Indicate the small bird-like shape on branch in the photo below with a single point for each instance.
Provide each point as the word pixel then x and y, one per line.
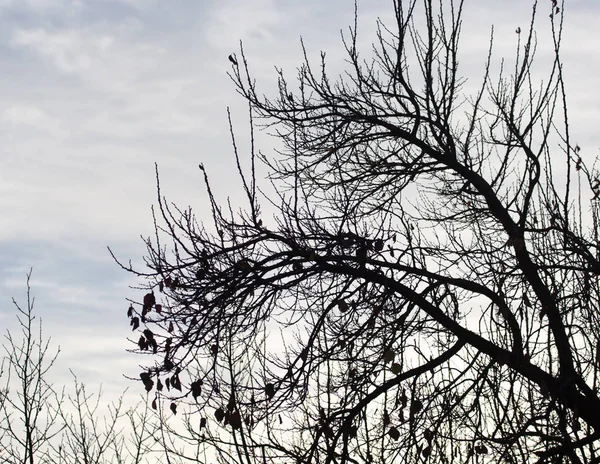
pixel 233 60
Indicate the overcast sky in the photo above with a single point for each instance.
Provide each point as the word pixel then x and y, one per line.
pixel 94 92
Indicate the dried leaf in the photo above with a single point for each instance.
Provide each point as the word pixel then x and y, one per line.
pixel 196 388
pixel 389 356
pixel 481 449
pixel 147 381
pixel 426 452
pixel 416 406
pixel 149 300
pixel 235 420
pixel 343 306
pixel 231 403
pixel 394 433
pixel 270 390
pixel 175 382
pixel 386 418
pixel 149 335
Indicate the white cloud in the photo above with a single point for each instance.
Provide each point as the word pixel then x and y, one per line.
pixel 23 114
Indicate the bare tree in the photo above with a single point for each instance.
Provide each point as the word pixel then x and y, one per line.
pixel 40 425
pixel 424 285
pixel 96 433
pixel 28 414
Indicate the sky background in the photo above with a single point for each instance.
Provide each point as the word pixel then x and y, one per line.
pixel 94 92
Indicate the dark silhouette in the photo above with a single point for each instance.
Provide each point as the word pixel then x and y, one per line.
pixel 421 284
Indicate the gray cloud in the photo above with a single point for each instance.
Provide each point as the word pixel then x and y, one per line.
pixel 92 93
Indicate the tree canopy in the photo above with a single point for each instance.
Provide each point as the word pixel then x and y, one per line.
pixel 424 283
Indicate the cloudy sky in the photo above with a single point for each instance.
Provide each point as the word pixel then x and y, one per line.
pixel 94 92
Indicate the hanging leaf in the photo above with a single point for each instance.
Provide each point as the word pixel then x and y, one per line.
pixel 394 433
pixel 148 385
pixel 416 406
pixel 426 451
pixel 130 311
pixel 231 403
pixel 343 306
pixel 389 356
pixel 159 385
pixel 481 449
pixel 142 343
pixel 386 418
pixel 154 404
pixel 243 265
pixel 147 381
pixel 175 382
pixel 304 354
pixel 352 431
pixel 170 327
pixel 270 390
pixel 158 308
pixel 173 408
pixel 134 323
pixel 149 335
pixel 219 414
pixel 149 301
pixel 196 387
pixel 235 420
pixel 396 368
pixel 203 422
